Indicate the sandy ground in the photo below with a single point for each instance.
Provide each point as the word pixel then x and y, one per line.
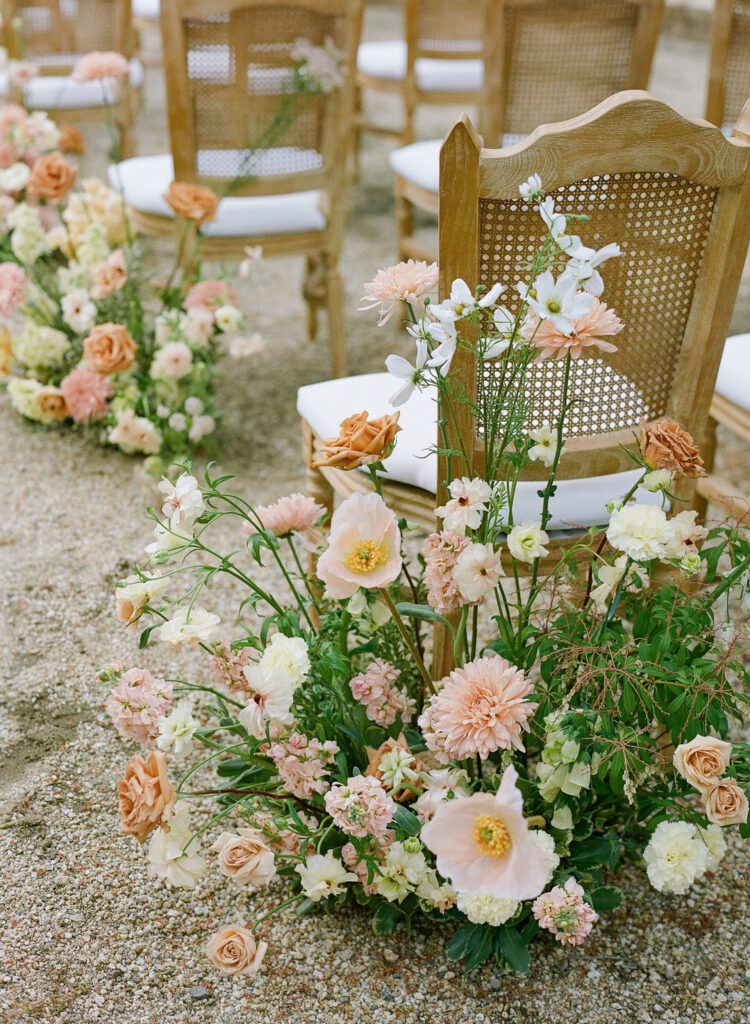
pixel 86 936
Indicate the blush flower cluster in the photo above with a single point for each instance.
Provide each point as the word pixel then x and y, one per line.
pixel 376 690
pixel 564 912
pixel 361 807
pixel 303 763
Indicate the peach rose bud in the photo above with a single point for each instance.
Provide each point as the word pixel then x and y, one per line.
pixel 193 202
pixel 726 803
pixel 144 794
pixel 666 445
pixel 245 857
pixel 702 761
pixel 233 950
pixel 51 402
pixel 109 348
pixel 51 176
pixel 360 442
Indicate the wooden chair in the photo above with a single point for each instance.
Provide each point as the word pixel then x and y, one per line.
pixel 729 68
pixel 545 61
pixel 52 35
pixel 675 193
pixel 228 65
pixel 439 61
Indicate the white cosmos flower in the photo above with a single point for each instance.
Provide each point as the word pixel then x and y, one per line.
pixel 188 626
pixel 584 262
pixel 676 856
pixel 545 445
pixel 446 336
pixel 530 188
pixel 467 504
pixel 412 377
pixel 526 542
pixel 559 301
pixel 477 571
pixel 642 532
pixel 79 312
pixel 556 222
pixel 288 654
pixel 463 302
pixel 183 500
pixel 271 700
pixel 165 851
pixel 177 729
pixel 323 876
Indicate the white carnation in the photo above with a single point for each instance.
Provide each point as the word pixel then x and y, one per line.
pixel 676 856
pixel 642 532
pixel 486 909
pixel 287 654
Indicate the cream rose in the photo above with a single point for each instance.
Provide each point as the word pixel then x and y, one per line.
pixel 233 950
pixel 702 761
pixel 245 857
pixel 726 803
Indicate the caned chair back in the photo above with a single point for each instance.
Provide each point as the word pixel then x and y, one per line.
pixel 548 60
pixel 445 29
pixel 729 71
pixel 234 118
pixel 675 194
pixel 38 30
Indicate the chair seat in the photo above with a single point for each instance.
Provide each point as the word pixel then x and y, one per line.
pixel 386 59
pixel 419 162
pixel 146 10
pixel 733 381
pixel 577 504
pixel 144 180
pixel 60 92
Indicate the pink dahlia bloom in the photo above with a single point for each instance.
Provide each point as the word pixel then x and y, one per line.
pixel 564 912
pixel 482 845
pixel 405 282
pixel 293 514
pixel 376 690
pixel 589 332
pixel 364 547
pixel 86 394
pixel 137 703
pixel 480 708
pixel 361 807
pixel 100 64
pixel 210 294
pixel 12 288
pixel 441 551
pixel 303 763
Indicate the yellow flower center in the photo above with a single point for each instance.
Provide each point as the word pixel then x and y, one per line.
pixel 366 556
pixel 491 836
pixel 553 306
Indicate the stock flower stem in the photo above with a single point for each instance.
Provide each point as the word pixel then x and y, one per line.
pixel 279 906
pixel 407 639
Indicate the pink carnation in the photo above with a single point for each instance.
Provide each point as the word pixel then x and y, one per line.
pixel 361 807
pixel 564 912
pixel 100 64
pixel 441 551
pixel 12 288
pixel 303 763
pixel 86 394
pixel 210 295
pixel 296 513
pixel 137 703
pixel 376 689
pixel 479 709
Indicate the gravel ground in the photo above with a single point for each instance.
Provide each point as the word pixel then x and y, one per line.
pixel 86 935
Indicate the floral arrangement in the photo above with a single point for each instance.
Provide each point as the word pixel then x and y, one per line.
pixel 587 715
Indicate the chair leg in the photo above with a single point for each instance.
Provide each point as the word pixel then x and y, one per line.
pixel 336 325
pixel 404 224
pixel 359 117
pixel 708 451
pixel 313 291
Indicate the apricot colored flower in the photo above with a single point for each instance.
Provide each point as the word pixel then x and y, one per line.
pixel 408 282
pixel 109 348
pixel 145 794
pixel 110 276
pixel 667 445
pixel 589 332
pixel 51 176
pixel 71 140
pixel 233 950
pixel 702 761
pixel 364 547
pixel 725 803
pixel 360 442
pixel 483 846
pixel 245 857
pixel 192 202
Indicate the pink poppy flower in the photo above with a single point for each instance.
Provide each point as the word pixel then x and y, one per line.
pixel 588 332
pixel 482 844
pixel 364 547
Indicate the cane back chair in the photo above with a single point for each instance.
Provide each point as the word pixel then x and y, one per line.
pixel 439 61
pixel 545 61
pixel 729 67
pixel 277 157
pixel 52 35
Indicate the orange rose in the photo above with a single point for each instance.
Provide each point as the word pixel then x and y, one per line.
pixel 193 202
pixel 71 140
pixel 52 404
pixel 51 176
pixel 360 442
pixel 234 950
pixel 666 445
pixel 145 794
pixel 726 803
pixel 110 276
pixel 109 348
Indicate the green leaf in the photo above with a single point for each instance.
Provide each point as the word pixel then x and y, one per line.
pixel 511 947
pixel 597 850
pixel 606 897
pixel 143 638
pixel 387 918
pixel 480 950
pixel 423 612
pixel 465 941
pixel 406 821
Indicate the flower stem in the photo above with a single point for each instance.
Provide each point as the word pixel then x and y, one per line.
pixel 407 639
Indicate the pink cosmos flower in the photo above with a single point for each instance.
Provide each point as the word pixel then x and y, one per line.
pixel 364 547
pixel 588 332
pixel 100 64
pixel 12 288
pixel 303 763
pixel 361 807
pixel 564 912
pixel 86 394
pixel 482 844
pixel 210 294
pixel 376 689
pixel 478 709
pixel 137 703
pixel 293 514
pixel 405 282
pixel 441 551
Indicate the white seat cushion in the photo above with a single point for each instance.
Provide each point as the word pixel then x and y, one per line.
pixel 55 92
pixel 387 59
pixel 144 180
pixel 577 504
pixel 419 162
pixel 733 381
pixel 146 10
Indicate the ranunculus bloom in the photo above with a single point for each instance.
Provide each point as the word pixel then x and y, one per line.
pixel 71 140
pixel 145 794
pixel 702 760
pixel 12 288
pixel 667 445
pixel 51 402
pixel 134 433
pixel 233 950
pixel 364 547
pixel 52 176
pixel 480 708
pixel 110 276
pixel 589 332
pixel 86 393
pixel 245 857
pixel 360 442
pixel 100 64
pixel 209 294
pixel 193 202
pixel 482 844
pixel 404 282
pixel 726 803
pixel 109 348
